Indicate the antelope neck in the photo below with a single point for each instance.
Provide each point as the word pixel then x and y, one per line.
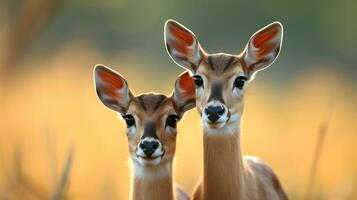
pixel 223 176
pixel 153 183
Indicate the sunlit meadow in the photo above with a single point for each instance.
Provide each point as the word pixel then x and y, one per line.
pixel 56 106
pixel 57 140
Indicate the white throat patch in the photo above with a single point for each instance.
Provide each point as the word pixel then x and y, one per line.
pixel 152 172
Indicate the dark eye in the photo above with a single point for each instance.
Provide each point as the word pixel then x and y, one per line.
pixel 198 80
pixel 239 82
pixel 129 119
pixel 172 121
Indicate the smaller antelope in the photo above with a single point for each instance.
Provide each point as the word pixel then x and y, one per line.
pixel 151 130
pixel 221 81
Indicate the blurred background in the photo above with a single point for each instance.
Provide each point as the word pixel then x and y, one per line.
pixel 57 141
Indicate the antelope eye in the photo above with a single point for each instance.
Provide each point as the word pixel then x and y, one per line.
pixel 198 80
pixel 129 119
pixel 172 121
pixel 239 82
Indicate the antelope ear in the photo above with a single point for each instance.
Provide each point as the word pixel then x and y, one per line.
pixel 263 48
pixel 184 95
pixel 112 89
pixel 182 45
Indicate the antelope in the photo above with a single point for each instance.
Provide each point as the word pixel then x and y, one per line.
pixel 151 121
pixel 221 80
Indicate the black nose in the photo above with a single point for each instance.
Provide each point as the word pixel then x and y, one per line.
pixel 214 112
pixel 149 147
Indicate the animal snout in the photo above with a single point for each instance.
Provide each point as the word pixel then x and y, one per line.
pixel 214 112
pixel 149 147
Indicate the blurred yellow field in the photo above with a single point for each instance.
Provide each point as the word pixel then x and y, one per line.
pixel 55 107
pixel 58 141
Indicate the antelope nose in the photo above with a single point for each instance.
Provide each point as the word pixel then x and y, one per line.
pixel 214 112
pixel 149 147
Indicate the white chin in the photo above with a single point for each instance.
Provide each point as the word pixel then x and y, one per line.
pixel 151 162
pixel 214 125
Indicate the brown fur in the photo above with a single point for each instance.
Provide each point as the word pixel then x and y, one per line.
pixel 222 174
pixel 147 117
pixel 156 189
pixel 227 175
pixel 154 107
pixel 237 177
pixel 154 115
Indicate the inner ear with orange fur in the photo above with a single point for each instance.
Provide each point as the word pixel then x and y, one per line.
pixel 182 45
pixel 263 47
pixel 112 89
pixel 184 95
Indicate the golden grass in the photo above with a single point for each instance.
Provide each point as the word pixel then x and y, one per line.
pixel 280 124
pixel 323 129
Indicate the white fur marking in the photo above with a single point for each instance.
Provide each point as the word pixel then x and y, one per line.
pixel 230 127
pixel 152 172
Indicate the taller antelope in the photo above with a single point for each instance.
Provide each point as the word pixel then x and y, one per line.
pixel 220 81
pixel 151 130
